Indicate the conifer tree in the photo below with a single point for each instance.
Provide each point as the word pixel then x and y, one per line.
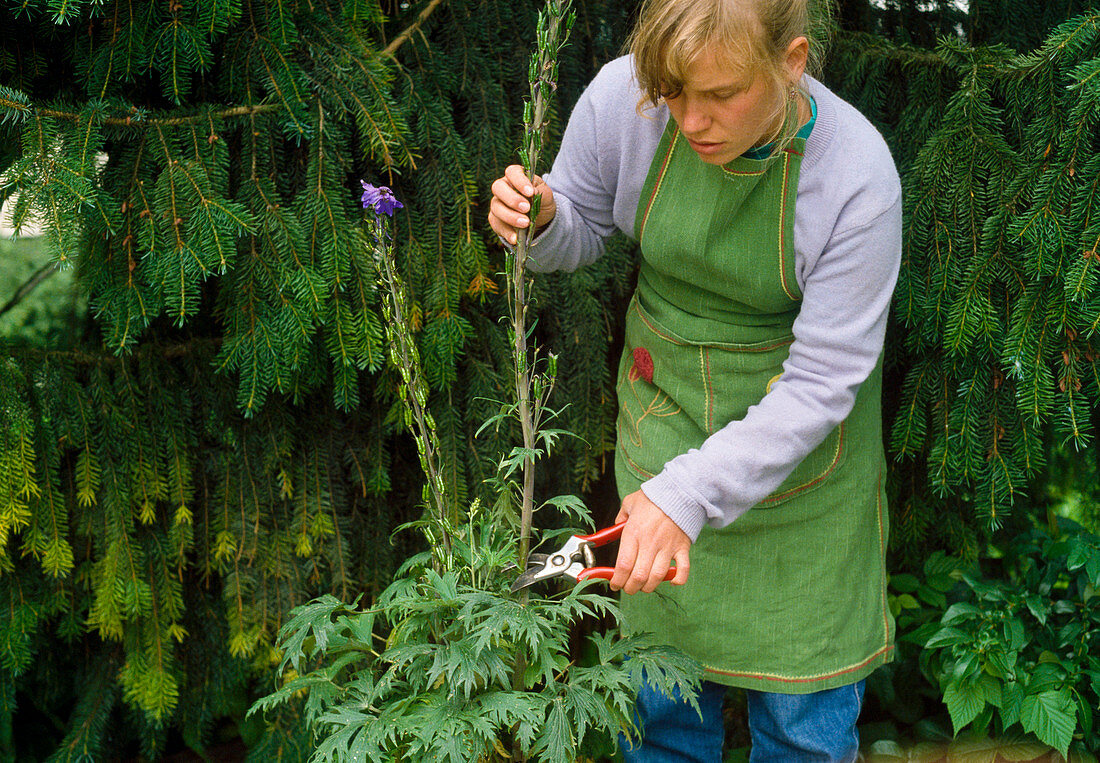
pixel 221 439
pixel 995 310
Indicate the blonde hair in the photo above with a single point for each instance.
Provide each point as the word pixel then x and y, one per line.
pixel 750 35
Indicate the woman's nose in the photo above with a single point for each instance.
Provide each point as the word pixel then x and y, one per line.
pixel 693 119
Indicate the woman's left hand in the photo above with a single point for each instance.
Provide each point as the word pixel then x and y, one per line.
pixel 649 543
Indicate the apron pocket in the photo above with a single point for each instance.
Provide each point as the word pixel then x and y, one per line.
pixel 735 379
pixel 813 471
pixel 675 392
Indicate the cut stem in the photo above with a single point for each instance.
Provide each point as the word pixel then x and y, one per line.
pixel 553 29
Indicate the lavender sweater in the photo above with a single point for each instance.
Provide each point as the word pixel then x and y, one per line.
pixel 847 241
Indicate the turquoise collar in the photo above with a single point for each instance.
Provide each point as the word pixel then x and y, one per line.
pixel 763 152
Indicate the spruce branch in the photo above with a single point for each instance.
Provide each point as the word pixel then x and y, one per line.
pixel 199 347
pixel 15 105
pixel 552 32
pixel 402 38
pixel 12 107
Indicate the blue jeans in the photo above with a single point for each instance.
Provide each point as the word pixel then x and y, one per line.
pixel 785 728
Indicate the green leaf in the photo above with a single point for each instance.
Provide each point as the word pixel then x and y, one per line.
pixel 973 747
pixel 961 611
pixel 964 700
pixel 1012 697
pixel 904 583
pixel 1037 606
pixel 1051 716
pixel 1020 748
pixel 1079 554
pixel 571 506
pixel 888 750
pixel 1092 568
pixel 1015 634
pixel 947 637
pixel 992 690
pixel 1000 663
pixel 905 601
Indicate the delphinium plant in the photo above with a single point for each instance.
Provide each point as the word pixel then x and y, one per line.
pixel 448 663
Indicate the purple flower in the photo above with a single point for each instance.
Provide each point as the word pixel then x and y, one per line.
pixel 380 199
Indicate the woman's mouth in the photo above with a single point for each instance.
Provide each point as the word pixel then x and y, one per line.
pixel 704 147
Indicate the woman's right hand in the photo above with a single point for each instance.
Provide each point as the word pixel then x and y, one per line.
pixel 512 201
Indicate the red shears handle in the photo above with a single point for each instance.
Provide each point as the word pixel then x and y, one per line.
pixel 601 538
pixel 604 536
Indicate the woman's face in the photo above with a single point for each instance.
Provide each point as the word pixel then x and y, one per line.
pixel 723 112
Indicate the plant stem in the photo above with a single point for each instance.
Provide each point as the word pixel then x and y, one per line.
pixel 406 359
pixel 553 29
pixel 526 420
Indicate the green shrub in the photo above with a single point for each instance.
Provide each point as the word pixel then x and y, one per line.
pixel 1021 650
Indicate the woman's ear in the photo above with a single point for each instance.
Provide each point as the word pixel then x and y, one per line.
pixel 798 52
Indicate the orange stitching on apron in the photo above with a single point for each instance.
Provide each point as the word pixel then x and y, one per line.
pixel 660 179
pixel 742 174
pixel 704 364
pixel 803 679
pixel 824 475
pixel 761 172
pixel 639 470
pixel 673 340
pixel 782 224
pixel 882 556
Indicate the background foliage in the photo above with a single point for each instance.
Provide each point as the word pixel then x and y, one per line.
pixel 216 439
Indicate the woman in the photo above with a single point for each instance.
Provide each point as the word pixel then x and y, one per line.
pixel 768 213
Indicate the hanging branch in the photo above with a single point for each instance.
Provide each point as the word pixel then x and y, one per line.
pixel 400 39
pixel 15 103
pixel 553 29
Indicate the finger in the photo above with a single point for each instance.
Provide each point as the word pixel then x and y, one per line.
pixel 657 571
pixel 519 180
pixel 508 216
pixel 683 566
pixel 506 193
pixel 506 232
pixel 624 561
pixel 641 574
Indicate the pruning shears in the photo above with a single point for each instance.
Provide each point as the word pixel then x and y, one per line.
pixel 574 559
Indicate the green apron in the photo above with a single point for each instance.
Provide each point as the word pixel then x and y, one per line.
pixel 791 597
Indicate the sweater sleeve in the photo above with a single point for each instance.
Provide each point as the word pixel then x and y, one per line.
pixel 838 337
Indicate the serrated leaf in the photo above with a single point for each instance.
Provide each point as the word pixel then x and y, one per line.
pixel 1051 716
pixel 964 701
pixel 1016 747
